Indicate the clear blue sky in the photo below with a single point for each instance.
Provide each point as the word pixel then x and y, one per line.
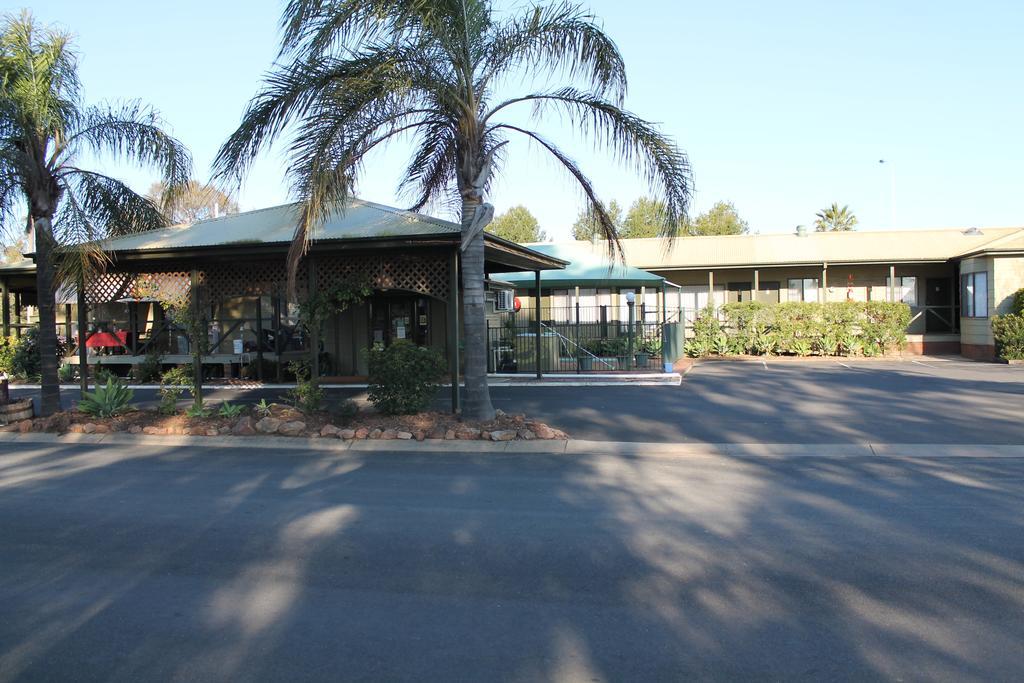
pixel 783 107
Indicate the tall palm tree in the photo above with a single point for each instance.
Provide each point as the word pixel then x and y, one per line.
pixel 44 131
pixel 357 74
pixel 835 219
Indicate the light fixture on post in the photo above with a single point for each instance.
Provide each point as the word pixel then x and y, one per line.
pixel 630 301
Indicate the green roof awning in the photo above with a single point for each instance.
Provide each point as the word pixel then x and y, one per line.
pixel 589 266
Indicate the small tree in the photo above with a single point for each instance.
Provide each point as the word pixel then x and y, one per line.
pixel 645 218
pixel 586 228
pixel 835 219
pixel 517 225
pixel 720 219
pixel 195 202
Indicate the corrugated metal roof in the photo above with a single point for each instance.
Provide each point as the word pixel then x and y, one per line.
pixel 360 220
pixel 588 265
pixel 23 264
pixel 814 247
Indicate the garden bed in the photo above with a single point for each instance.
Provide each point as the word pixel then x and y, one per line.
pixel 284 421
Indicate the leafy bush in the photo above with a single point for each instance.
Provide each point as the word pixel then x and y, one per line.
pixel 108 400
pixel 307 395
pixel 228 409
pixel 197 410
pixel 346 410
pixel 102 375
pixel 149 369
pixel 1008 331
pixel 1017 307
pixel 8 346
pixel 66 373
pixel 172 386
pixel 404 377
pixel 262 408
pixel 25 361
pixel 841 328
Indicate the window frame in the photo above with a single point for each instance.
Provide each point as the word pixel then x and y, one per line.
pixel 969 302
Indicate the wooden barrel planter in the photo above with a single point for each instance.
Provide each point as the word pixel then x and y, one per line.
pixel 15 411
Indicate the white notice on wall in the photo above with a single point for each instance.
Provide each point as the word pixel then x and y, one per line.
pixel 400 332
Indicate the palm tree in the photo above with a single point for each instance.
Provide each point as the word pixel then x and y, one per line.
pixel 834 219
pixel 361 73
pixel 44 130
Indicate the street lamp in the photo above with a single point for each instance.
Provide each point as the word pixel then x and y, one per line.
pixel 630 300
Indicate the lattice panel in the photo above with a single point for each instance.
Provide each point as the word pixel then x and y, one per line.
pixel 421 274
pixel 110 287
pixel 227 280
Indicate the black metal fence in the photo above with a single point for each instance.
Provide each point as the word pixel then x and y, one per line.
pixel 593 341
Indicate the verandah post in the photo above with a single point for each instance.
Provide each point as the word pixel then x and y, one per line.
pixel 314 331
pixel 83 359
pixel 259 337
pixel 536 322
pixel 198 329
pixel 6 307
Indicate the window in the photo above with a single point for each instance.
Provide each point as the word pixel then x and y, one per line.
pixel 906 290
pixel 650 306
pixel 805 289
pixel 560 307
pixel 588 305
pixel 739 291
pixel 768 292
pixel 974 295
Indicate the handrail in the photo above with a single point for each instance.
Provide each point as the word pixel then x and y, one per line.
pixel 578 346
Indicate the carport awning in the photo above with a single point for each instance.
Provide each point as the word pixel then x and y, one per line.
pixel 587 268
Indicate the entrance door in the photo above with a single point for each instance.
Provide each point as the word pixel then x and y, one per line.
pixel 939 314
pixel 395 317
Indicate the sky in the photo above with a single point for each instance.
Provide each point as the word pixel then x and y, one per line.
pixel 782 107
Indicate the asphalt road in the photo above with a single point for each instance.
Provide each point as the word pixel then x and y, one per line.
pixel 913 401
pixel 177 564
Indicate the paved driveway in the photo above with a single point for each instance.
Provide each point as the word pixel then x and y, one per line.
pixel 925 401
pixel 165 563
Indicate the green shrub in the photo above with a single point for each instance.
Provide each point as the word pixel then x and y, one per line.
pixel 262 408
pixel 840 328
pixel 66 373
pixel 228 409
pixel 8 346
pixel 1008 331
pixel 25 361
pixel 197 410
pixel 102 375
pixel 108 400
pixel 1017 306
pixel 404 377
pixel 149 369
pixel 172 386
pixel 307 395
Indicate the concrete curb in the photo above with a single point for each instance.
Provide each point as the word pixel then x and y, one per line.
pixel 573 447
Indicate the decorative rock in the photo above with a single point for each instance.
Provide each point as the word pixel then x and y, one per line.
pixel 361 433
pixel 346 434
pixel 527 435
pixel 375 434
pixel 197 431
pixel 243 427
pixel 560 435
pixel 542 430
pixel 87 428
pixel 25 426
pixel 291 428
pixel 419 435
pixel 212 432
pixel 102 429
pixel 329 430
pixel 436 433
pixel 118 426
pixel 467 433
pixel 503 435
pixel 268 425
pixel 12 427
pixel 485 435
pixel 388 434
pixel 223 430
pixel 154 431
pixel 405 436
pixel 498 412
pixel 449 435
pixel 134 429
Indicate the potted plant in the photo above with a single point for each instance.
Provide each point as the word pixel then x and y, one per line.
pixel 648 347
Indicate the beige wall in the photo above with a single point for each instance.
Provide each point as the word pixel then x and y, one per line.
pixel 978 331
pixel 1008 278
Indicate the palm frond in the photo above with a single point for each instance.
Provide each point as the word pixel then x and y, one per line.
pixel 606 226
pixel 561 35
pixel 631 139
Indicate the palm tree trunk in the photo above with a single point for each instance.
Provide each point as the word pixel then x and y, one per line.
pixel 477 403
pixel 47 334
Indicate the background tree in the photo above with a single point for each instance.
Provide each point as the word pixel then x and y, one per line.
pixel 518 225
pixel 720 219
pixel 645 218
pixel 834 219
pixel 587 226
pixel 195 202
pixel 44 132
pixel 355 74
